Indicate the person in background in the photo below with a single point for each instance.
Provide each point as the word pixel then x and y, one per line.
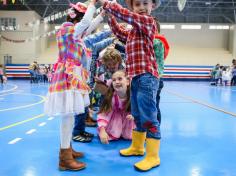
pixel 213 74
pixel 114 118
pixel 218 75
pixel 33 70
pixel 50 72
pixel 1 74
pixel 226 76
pixel 233 81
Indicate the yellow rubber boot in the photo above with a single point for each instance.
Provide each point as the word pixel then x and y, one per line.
pixel 152 158
pixel 137 145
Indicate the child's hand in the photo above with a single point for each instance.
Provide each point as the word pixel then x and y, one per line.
pixel 104 136
pixel 129 117
pixel 103 13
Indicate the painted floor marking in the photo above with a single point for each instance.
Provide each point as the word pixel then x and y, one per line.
pixel 31 131
pixel 26 106
pixel 42 124
pixel 201 103
pixel 14 140
pixel 14 87
pixel 21 122
pixel 50 118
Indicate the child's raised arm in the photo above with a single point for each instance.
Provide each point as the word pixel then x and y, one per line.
pixel 145 23
pixel 86 21
pixel 95 23
pixel 117 29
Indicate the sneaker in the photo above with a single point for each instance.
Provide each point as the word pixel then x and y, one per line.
pixel 82 138
pixel 87 134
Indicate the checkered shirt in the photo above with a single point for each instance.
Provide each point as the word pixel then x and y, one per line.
pixel 139 40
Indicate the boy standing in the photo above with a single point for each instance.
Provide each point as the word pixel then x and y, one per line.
pixel 141 67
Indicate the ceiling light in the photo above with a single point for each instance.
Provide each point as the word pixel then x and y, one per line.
pixel 191 26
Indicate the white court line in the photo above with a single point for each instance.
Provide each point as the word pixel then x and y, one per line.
pixel 14 140
pixel 26 106
pixel 201 103
pixel 50 118
pixel 31 131
pixel 42 124
pixel 15 92
pixel 15 87
pixel 220 87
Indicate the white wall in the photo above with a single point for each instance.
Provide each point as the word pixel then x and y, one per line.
pixel 198 47
pixel 188 47
pixel 22 52
pixel 232 40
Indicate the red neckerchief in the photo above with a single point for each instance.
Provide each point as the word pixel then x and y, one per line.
pixel 165 43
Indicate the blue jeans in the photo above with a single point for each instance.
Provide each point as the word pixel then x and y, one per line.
pixel 161 85
pixel 144 106
pixel 79 125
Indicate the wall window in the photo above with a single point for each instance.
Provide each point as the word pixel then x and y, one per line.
pixel 8 24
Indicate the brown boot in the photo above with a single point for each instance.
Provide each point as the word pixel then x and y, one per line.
pixel 67 162
pixel 76 154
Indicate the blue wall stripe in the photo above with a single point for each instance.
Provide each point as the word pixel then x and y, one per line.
pixel 188 66
pixel 186 73
pixel 16 71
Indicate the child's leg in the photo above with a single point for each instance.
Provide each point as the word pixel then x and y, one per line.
pixel 79 134
pixel 67 161
pixel 139 134
pixel 146 98
pixel 67 123
pixel 161 85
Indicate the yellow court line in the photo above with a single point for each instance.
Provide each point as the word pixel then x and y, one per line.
pixel 21 122
pixel 202 103
pixel 26 106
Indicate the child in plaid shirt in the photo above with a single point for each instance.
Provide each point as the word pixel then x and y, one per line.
pixel 141 67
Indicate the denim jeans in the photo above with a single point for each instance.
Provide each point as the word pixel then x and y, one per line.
pixel 143 104
pixel 161 85
pixel 80 122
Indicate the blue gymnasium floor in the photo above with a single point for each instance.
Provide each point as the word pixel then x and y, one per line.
pixel 198 135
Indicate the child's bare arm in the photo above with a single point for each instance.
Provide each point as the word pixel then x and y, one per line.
pixel 103 136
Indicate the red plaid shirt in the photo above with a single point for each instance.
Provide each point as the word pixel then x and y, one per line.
pixel 139 40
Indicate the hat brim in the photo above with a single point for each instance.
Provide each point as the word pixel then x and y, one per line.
pixel 157 4
pixel 75 6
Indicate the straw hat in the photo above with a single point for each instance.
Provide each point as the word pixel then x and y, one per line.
pixel 157 4
pixel 80 7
